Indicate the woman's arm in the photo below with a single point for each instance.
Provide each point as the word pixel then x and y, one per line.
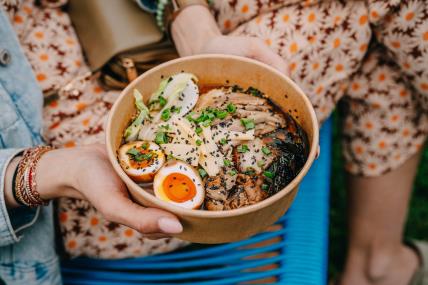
pixel 86 172
pixel 195 31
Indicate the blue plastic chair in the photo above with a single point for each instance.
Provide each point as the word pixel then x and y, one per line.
pixel 295 253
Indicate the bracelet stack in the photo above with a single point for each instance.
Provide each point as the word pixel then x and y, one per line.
pixel 24 180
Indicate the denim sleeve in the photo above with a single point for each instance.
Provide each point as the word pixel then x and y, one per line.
pixel 13 221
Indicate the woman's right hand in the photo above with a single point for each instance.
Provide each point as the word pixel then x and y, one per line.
pixel 195 31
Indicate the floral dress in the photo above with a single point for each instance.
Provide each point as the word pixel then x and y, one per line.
pixel 372 54
pixel 77 117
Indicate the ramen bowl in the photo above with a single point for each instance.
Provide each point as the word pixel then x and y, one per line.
pixel 203 226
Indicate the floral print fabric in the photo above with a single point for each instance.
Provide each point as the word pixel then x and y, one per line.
pixel 77 117
pixel 373 54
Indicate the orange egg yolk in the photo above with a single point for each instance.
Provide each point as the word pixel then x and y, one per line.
pixel 179 188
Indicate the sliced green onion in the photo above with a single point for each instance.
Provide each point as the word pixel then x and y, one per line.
pixel 248 124
pixel 198 142
pixel 221 114
pixel 198 130
pixel 133 151
pixel 162 101
pixel 231 108
pixel 166 114
pixel 242 148
pixel 202 172
pixel 266 150
pixel 268 174
pixel 161 138
pixel 227 162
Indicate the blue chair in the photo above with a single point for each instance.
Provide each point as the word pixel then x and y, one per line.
pixel 293 252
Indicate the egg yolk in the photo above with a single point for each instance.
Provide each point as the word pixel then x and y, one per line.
pixel 179 188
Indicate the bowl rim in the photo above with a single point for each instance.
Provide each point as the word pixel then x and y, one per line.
pixel 204 213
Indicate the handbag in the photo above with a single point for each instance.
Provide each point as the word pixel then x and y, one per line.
pixel 119 39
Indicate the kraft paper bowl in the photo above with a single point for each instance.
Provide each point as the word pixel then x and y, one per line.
pixel 223 226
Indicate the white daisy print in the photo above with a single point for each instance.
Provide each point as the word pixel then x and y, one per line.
pixel 395 119
pixel 270 37
pixel 287 18
pixel 420 38
pixel 370 124
pixel 382 78
pixel 336 14
pixel 409 15
pixel 359 147
pixel 311 21
pixel 247 8
pixel 338 66
pixel 293 44
pixel 358 87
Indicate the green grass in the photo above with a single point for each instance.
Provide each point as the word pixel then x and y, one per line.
pixel 417 224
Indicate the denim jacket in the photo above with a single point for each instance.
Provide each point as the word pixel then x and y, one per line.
pixel 27 254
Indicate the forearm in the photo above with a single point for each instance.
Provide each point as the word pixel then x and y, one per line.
pixel 192 29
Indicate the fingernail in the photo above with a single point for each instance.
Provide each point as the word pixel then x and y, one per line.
pixel 170 226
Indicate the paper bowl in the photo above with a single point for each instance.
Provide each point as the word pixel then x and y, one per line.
pixel 203 226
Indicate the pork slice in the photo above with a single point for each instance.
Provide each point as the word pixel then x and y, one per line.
pixel 215 98
pixel 252 185
pixel 238 199
pixel 254 158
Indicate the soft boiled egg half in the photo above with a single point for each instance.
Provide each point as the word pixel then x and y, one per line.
pixel 141 160
pixel 178 183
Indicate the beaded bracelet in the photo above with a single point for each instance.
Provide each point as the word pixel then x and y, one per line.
pixel 160 13
pixel 25 185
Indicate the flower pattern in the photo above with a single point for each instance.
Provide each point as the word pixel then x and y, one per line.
pixel 371 54
pixel 76 117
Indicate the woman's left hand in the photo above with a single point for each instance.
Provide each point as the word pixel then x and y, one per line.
pixel 86 173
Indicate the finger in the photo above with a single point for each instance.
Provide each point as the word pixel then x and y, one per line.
pixel 145 220
pixel 155 236
pixel 263 53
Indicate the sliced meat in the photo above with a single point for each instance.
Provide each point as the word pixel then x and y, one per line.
pixel 247 192
pixel 254 158
pixel 252 185
pixel 214 188
pixel 215 98
pixel 238 199
pixel 215 193
pixel 214 205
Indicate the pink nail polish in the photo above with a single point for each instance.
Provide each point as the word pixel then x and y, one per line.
pixel 170 226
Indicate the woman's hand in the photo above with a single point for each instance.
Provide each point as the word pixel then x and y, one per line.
pixel 85 172
pixel 195 31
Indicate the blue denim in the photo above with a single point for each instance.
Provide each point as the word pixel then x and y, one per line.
pixel 27 253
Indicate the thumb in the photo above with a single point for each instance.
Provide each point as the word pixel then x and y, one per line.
pixel 144 220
